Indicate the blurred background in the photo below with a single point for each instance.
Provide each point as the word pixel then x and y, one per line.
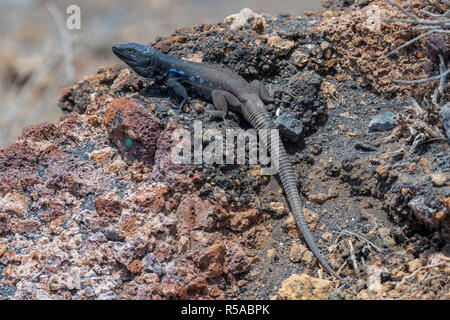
pixel 39 55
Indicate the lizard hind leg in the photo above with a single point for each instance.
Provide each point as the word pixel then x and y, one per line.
pixel 267 96
pixel 221 100
pixel 260 89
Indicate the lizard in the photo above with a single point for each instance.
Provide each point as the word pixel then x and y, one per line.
pixel 228 91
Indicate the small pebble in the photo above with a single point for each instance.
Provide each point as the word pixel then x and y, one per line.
pixel 382 122
pixel 198 107
pixel 438 179
pixel 290 127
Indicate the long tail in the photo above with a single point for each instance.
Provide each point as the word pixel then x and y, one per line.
pixel 290 188
pixel 255 113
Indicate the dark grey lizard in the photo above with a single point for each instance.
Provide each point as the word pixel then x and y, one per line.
pixel 228 90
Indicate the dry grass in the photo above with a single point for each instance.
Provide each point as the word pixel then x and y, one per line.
pixel 419 123
pixel 436 24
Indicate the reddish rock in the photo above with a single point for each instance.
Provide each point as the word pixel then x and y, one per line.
pixel 211 260
pixel 151 264
pixel 108 205
pixel 197 286
pixel 242 220
pixel 61 281
pixel 152 198
pixel 18 155
pixel 45 216
pixel 72 126
pixel 237 260
pixel 177 39
pixel 163 225
pixel 134 247
pixel 52 155
pixel 135 266
pixel 150 229
pixel 15 204
pixel 165 168
pixel 164 251
pixel 16 162
pixel 197 213
pixel 66 94
pixel 40 132
pixel 4 223
pixel 57 208
pixel 148 291
pixel 104 155
pixel 27 182
pixel 216 293
pixel 24 226
pixel 133 130
pixel 304 287
pixel 163 46
pixel 72 175
pixel 173 288
pixel 127 224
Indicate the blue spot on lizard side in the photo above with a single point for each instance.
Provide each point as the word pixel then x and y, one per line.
pixel 173 72
pixel 176 73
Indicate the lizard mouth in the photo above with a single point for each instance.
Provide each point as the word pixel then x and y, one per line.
pixel 118 51
pixel 125 53
pixel 129 55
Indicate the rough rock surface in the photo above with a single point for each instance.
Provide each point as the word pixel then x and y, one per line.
pixel 289 127
pixel 92 207
pixel 382 122
pixel 361 38
pixel 304 287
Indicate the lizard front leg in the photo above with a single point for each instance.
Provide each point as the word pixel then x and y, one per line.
pixel 260 89
pixel 178 89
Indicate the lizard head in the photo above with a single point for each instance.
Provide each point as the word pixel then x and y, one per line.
pixel 139 57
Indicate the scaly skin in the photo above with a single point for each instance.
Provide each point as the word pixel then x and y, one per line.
pixel 255 113
pixel 227 89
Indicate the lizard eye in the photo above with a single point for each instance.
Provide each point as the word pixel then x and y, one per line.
pixel 129 50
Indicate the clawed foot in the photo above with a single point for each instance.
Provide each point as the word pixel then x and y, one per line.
pixel 287 93
pixel 215 114
pixel 177 106
pixel 280 100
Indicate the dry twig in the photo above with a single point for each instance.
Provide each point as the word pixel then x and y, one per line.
pixel 440 26
pixel 418 124
pixel 412 275
pixel 352 255
pixel 346 232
